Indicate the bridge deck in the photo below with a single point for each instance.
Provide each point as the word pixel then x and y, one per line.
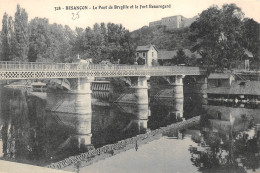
pixel 32 70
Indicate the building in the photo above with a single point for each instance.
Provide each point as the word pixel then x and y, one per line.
pixel 220 80
pixel 148 53
pixel 173 22
pixel 166 56
pixel 223 87
pixel 155 23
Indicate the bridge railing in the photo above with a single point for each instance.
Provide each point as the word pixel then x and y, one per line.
pixel 11 65
pixel 37 66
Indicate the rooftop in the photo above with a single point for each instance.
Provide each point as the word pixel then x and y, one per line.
pixel 145 48
pixel 219 76
pixel 238 88
pixel 166 54
pixel 172 16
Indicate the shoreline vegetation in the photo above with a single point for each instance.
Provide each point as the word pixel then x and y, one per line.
pixel 223 37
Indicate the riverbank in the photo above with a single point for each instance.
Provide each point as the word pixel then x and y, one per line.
pixel 106 151
pixel 14 167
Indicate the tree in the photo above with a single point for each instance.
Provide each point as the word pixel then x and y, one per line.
pixel 180 58
pixel 21 41
pixel 7 38
pixel 217 35
pixel 140 61
pixel 38 40
pixel 251 38
pixel 11 37
pixel 65 51
pixel 103 42
pixel 1 47
pixel 93 44
pixel 4 39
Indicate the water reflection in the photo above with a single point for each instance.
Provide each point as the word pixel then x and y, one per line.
pixel 71 124
pixel 115 122
pixel 228 140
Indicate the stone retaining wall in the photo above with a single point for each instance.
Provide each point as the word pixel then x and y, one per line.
pixel 123 145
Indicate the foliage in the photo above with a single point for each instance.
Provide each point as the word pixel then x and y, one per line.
pixel 21 35
pixel 50 42
pixel 251 37
pixel 180 58
pixel 163 39
pixel 111 41
pixel 38 39
pixel 228 148
pixel 43 42
pixel 1 45
pixel 140 61
pixel 220 34
pixel 5 39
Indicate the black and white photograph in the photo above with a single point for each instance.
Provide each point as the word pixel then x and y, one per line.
pixel 130 86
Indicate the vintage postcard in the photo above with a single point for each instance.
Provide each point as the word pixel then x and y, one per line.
pixel 114 86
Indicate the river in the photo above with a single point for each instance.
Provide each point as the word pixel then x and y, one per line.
pixel 226 139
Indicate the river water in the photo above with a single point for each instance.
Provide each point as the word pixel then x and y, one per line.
pixel 226 139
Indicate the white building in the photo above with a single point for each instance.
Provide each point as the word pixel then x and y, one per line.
pixel 148 53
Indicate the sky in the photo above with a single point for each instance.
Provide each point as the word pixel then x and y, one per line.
pixel 131 19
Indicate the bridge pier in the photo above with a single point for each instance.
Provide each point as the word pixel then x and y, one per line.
pixel 141 113
pixel 84 85
pixel 204 85
pixel 138 94
pixel 76 102
pixel 83 129
pixel 178 88
pixel 178 106
pixel 142 90
pixel 142 117
pixel 178 95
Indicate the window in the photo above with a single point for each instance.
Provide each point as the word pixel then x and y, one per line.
pixel 137 54
pixel 143 54
pixel 152 54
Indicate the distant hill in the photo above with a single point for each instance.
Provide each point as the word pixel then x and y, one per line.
pixel 162 38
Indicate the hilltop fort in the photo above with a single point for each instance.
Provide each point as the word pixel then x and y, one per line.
pixel 173 22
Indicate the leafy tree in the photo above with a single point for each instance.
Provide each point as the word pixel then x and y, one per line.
pixel 218 35
pixel 1 47
pixel 103 42
pixel 12 37
pixel 140 61
pixel 38 39
pixel 193 61
pixel 5 39
pixel 93 43
pixel 251 37
pixel 69 38
pixel 78 46
pixel 180 58
pixel 21 41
